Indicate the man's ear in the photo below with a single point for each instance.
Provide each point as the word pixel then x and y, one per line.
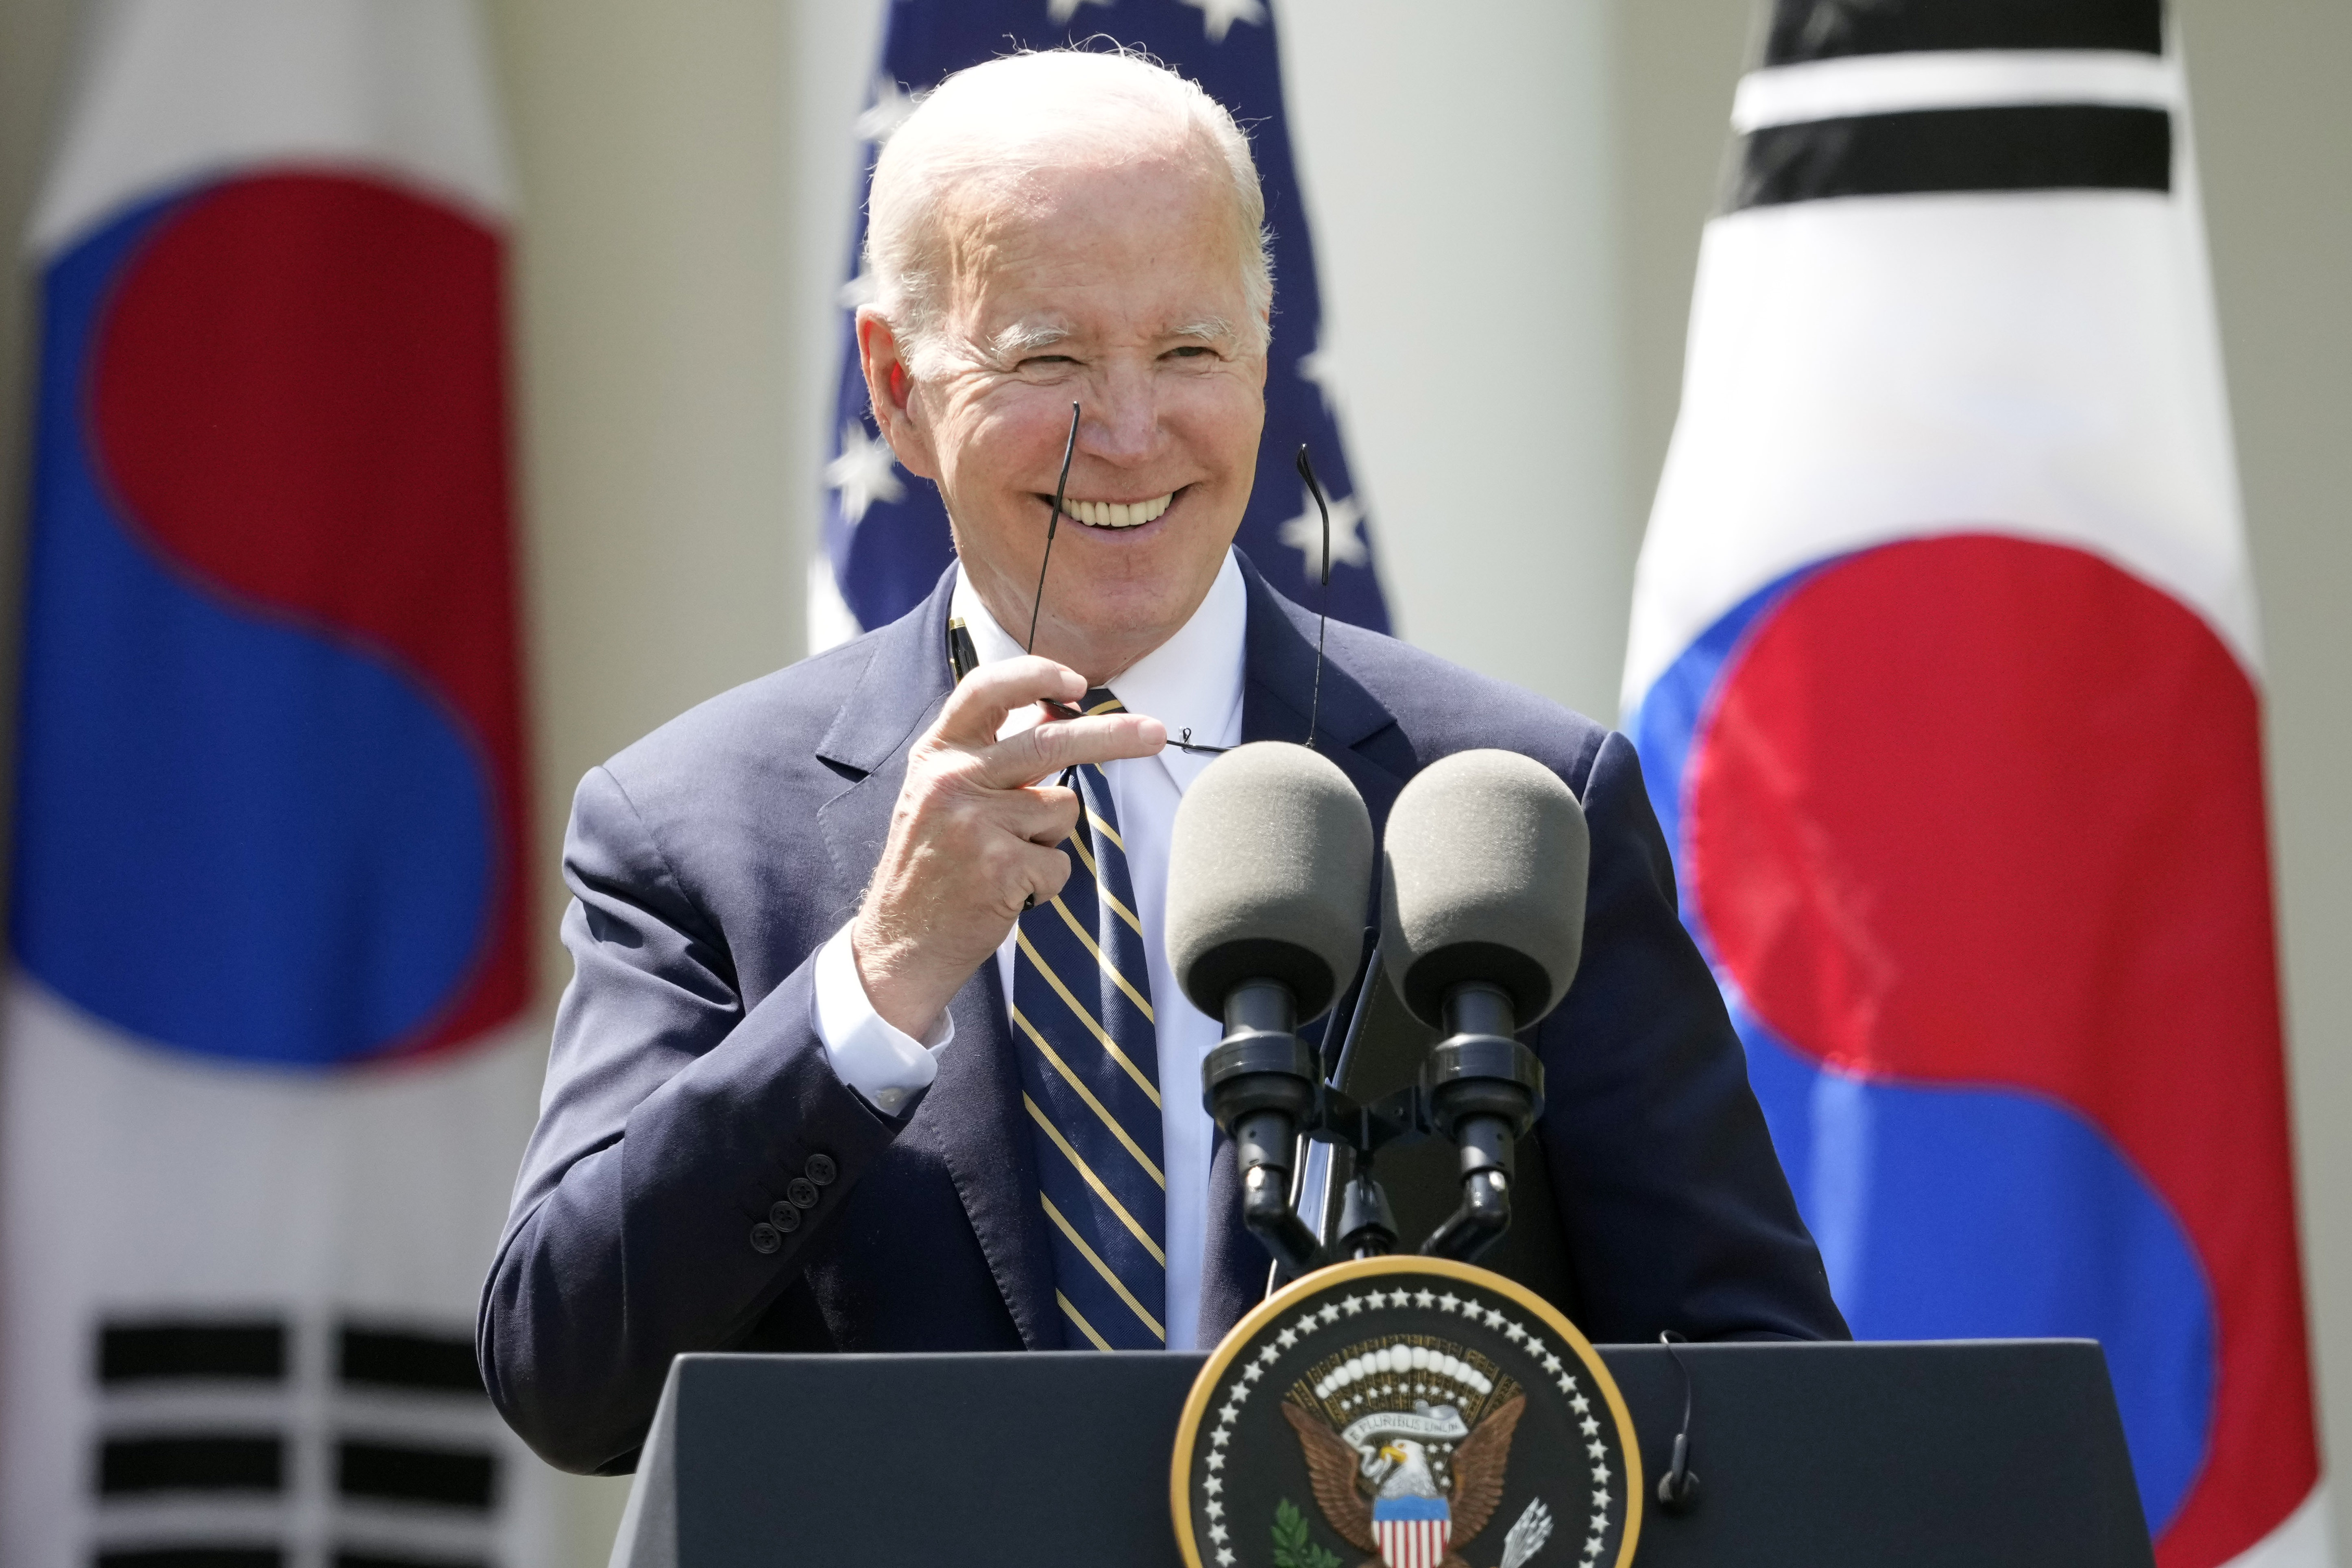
pixel 890 387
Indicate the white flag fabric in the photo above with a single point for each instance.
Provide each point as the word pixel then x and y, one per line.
pixel 262 1081
pixel 1945 672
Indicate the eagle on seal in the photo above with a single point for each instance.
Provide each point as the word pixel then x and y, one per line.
pixel 1373 1516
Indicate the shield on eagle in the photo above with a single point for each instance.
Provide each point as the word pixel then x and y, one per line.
pixel 1411 1532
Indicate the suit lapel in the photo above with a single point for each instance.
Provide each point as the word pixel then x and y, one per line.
pixel 971 1118
pixel 1277 697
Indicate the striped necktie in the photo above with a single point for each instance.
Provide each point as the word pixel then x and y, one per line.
pixel 1090 1082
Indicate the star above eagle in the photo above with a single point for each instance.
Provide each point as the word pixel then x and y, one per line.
pixel 1349 1488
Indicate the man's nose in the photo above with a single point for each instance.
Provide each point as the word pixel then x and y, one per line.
pixel 1121 421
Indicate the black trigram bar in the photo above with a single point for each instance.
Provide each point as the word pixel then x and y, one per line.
pixel 239 1555
pixel 1823 29
pixel 191 1462
pixel 393 1358
pixel 2035 147
pixel 401 1473
pixel 160 1349
pixel 373 1559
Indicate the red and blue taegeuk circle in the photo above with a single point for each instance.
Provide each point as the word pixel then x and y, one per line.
pixel 1971 828
pixel 270 770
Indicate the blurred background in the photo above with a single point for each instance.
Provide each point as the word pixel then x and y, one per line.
pixel 1507 197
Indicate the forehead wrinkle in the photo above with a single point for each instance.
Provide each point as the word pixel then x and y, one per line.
pixel 985 218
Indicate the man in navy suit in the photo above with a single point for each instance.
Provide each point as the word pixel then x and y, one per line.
pixel 787 1106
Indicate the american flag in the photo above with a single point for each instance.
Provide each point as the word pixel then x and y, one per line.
pixel 886 534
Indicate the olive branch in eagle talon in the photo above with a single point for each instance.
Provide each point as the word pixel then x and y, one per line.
pixel 1341 1487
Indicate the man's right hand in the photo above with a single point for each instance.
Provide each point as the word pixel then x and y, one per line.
pixel 976 834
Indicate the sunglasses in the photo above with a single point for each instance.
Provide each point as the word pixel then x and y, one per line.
pixel 963 658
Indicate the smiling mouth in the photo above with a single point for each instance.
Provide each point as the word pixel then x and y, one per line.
pixel 1112 515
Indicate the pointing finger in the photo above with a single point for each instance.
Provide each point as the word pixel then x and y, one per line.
pixel 978 706
pixel 1049 748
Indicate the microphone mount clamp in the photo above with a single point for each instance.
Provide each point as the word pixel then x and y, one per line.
pixel 1480 1089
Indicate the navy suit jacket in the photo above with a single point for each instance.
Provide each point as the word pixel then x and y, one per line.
pixel 686 1086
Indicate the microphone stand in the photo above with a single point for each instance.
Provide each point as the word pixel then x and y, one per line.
pixel 1481 1090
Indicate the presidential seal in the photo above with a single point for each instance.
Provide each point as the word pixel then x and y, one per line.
pixel 1407 1412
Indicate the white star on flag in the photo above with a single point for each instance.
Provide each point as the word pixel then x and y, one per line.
pixel 1218 17
pixel 864 473
pixel 1318 368
pixel 860 290
pixel 889 110
pixel 1061 11
pixel 1304 533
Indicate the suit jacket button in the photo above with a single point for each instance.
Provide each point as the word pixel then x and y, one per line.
pixel 765 1237
pixel 821 1170
pixel 801 1191
pixel 784 1217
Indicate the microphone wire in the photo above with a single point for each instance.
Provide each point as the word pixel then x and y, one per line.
pixel 1323 617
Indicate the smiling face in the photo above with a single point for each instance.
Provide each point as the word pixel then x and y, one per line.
pixel 1119 286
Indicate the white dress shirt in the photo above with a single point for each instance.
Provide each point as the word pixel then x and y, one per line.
pixel 1193 680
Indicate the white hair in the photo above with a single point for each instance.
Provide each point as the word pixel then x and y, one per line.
pixel 994 126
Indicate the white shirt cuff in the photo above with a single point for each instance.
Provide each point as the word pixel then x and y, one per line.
pixel 885 1065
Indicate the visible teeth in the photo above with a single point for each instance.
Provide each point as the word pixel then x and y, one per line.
pixel 1116 514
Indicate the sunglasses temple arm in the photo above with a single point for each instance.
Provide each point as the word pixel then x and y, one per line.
pixel 1052 523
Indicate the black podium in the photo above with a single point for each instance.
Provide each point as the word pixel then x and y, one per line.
pixel 1812 1456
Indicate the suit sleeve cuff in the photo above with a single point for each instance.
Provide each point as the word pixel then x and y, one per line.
pixel 886 1066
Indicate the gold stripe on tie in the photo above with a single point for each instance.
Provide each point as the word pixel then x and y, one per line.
pixel 1080 1318
pixel 1086 857
pixel 1142 1081
pixel 1103 1268
pixel 1108 831
pixel 1095 1181
pixel 1087 1095
pixel 1108 968
pixel 1108 705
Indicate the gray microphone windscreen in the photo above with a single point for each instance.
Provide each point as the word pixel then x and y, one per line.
pixel 1486 861
pixel 1269 874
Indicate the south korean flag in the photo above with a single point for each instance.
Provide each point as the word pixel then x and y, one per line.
pixel 1945 676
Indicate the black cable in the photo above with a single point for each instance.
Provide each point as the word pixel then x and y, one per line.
pixel 1323 616
pixel 1678 1487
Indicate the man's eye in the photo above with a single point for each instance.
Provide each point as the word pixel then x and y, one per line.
pixel 1191 350
pixel 1035 362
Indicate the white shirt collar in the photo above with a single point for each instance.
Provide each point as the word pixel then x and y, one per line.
pixel 1193 680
